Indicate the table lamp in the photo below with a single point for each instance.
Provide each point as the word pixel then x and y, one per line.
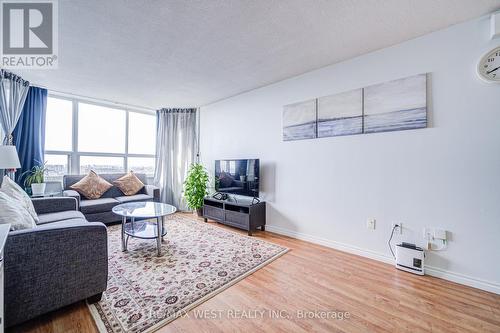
pixel 9 160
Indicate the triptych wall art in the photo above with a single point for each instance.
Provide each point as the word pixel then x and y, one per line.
pixel 391 106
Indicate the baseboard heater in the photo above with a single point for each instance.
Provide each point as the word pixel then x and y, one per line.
pixel 410 258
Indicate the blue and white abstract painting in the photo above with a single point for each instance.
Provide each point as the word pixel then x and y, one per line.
pixel 396 105
pixel 340 114
pixel 299 121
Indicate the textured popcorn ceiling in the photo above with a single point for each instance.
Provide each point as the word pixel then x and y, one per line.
pixel 181 52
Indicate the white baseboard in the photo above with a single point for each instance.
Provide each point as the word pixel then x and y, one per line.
pixel 463 279
pixel 429 270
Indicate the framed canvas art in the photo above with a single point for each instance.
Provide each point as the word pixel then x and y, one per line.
pixel 299 121
pixel 340 114
pixel 396 105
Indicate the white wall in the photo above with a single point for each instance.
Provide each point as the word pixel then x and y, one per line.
pixel 447 175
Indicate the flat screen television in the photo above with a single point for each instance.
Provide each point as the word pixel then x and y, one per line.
pixel 237 177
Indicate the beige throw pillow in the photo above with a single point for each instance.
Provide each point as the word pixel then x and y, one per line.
pixel 13 212
pixel 129 184
pixel 92 186
pixel 15 192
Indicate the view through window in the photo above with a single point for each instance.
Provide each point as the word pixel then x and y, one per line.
pixel 101 164
pixel 82 136
pixel 57 166
pixel 101 129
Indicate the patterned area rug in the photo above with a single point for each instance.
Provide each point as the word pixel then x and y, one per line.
pixel 199 260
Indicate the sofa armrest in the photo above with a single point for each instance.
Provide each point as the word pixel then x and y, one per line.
pixel 54 204
pixel 48 267
pixel 154 191
pixel 73 194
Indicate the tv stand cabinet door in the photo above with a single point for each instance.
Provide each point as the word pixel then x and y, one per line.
pixel 240 220
pixel 213 213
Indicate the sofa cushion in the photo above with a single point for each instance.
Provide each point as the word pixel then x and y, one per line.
pixel 14 191
pixel 65 223
pixel 14 213
pixel 134 198
pixel 129 184
pixel 113 192
pixel 91 186
pixel 98 205
pixel 60 216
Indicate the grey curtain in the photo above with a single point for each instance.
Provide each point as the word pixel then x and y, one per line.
pixel 176 150
pixel 13 92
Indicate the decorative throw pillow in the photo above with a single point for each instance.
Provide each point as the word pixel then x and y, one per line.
pixel 15 191
pixel 13 212
pixel 129 184
pixel 92 186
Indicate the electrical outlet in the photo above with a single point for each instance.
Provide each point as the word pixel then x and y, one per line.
pixel 370 223
pixel 399 227
pixel 439 234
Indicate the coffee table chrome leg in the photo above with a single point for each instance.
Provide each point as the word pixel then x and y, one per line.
pixel 158 239
pixel 124 245
pixel 162 227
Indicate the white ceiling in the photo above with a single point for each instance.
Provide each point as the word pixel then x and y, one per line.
pixel 193 52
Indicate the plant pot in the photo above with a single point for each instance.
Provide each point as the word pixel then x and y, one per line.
pixel 38 189
pixel 199 212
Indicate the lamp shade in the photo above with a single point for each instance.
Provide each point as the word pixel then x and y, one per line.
pixel 9 158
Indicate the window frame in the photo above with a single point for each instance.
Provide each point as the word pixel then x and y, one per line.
pixel 68 160
pixel 74 155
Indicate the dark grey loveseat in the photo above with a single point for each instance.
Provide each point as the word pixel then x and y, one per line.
pixel 100 209
pixel 62 261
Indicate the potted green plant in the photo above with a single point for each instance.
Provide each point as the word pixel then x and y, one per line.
pixel 35 179
pixel 195 187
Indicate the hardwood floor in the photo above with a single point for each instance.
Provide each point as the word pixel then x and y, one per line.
pixel 377 298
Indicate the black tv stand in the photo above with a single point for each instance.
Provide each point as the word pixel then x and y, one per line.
pixel 248 215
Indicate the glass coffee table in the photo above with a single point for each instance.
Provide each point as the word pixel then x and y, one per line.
pixel 145 229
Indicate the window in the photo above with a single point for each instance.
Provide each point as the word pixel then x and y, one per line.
pixel 101 142
pixel 142 165
pixel 101 129
pixel 57 166
pixel 59 125
pixel 142 133
pixel 101 164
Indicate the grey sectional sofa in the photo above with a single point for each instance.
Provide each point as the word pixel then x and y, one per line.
pixel 100 209
pixel 61 261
